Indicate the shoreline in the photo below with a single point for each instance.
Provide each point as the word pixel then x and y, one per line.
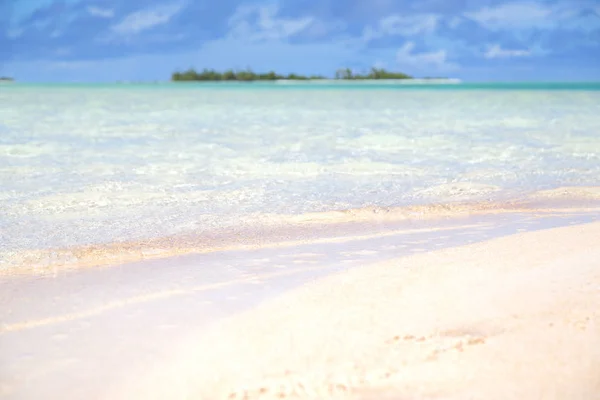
pixel 449 324
pixel 151 328
pixel 278 230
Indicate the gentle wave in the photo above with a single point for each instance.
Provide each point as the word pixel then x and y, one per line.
pixel 265 230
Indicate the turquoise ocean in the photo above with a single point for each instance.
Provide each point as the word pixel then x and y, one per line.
pixel 83 164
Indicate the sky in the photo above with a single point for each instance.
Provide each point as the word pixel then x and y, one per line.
pixel 147 40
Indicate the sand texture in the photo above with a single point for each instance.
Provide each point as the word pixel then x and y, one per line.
pixel 516 317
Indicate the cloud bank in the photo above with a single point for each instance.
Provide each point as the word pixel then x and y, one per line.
pixel 524 39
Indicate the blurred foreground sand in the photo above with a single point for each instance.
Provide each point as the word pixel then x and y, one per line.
pixel 512 318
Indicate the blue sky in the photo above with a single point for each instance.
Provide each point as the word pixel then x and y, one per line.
pixel 475 40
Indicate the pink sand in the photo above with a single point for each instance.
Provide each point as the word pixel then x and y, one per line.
pixel 515 317
pixel 512 318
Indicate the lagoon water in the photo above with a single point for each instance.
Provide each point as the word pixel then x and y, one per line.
pixel 83 164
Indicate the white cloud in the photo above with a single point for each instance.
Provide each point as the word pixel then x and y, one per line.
pixel 142 20
pixel 515 15
pixel 100 12
pixel 588 21
pixel 436 59
pixel 260 22
pixel 569 15
pixel 402 25
pixel 495 51
pixel 319 28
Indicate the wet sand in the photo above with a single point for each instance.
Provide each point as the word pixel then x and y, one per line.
pixel 175 327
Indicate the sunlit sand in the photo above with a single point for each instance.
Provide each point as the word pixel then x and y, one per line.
pixel 516 317
pixel 485 303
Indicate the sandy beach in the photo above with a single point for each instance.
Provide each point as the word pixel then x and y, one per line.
pixel 495 307
pixel 511 318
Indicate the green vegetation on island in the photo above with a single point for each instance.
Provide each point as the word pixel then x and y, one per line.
pixel 249 75
pixel 375 73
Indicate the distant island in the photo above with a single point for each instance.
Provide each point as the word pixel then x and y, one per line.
pixel 248 75
pixel 6 79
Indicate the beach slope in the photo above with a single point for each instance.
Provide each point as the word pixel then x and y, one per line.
pixel 516 317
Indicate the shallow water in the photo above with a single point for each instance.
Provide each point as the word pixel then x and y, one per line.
pixel 105 163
